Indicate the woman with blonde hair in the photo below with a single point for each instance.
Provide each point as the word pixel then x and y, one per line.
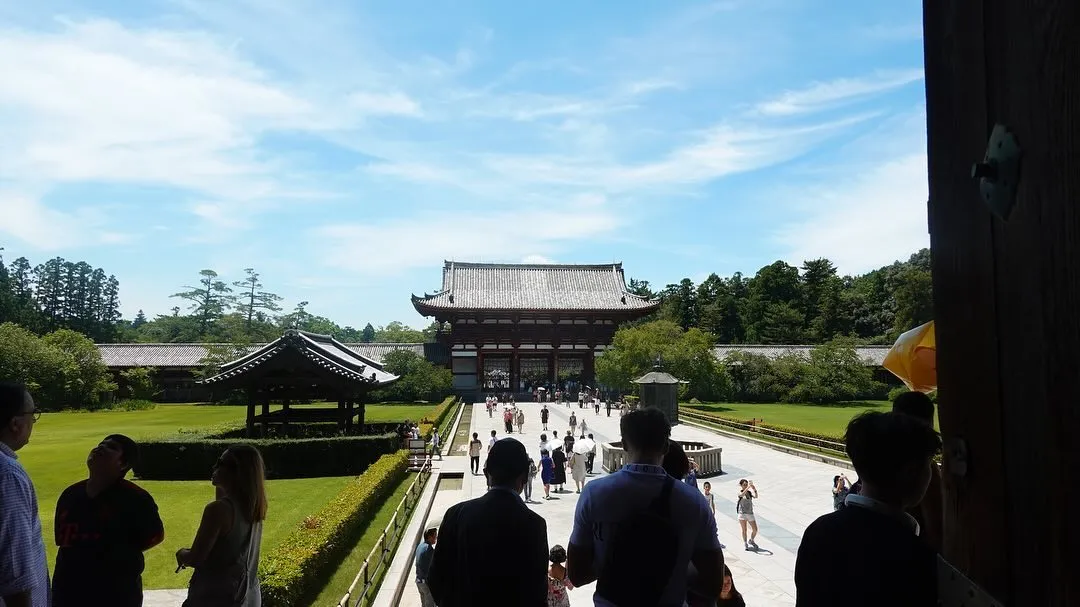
pixel 225 553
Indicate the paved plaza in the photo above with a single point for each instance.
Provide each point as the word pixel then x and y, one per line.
pixel 794 491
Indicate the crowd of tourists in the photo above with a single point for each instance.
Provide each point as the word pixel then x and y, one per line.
pixel 645 538
pixel 104 523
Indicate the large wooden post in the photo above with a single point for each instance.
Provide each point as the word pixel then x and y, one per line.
pixel 250 421
pixel 1006 293
pixel 285 416
pixel 265 412
pixel 341 414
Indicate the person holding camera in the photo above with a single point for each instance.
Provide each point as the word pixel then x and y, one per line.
pixel 744 507
pixel 840 490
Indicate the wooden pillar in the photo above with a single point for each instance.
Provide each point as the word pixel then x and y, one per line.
pixel 250 425
pixel 1006 293
pixel 285 416
pixel 515 371
pixel 341 414
pixel 361 414
pixel 479 368
pixel 588 370
pixel 265 412
pixel 348 415
pixel 554 369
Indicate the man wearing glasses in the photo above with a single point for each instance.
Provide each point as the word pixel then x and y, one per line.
pixel 24 573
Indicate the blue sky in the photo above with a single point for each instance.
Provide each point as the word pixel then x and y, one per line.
pixel 345 149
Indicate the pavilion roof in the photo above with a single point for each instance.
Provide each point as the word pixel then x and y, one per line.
pixel 323 351
pixel 192 355
pixel 548 287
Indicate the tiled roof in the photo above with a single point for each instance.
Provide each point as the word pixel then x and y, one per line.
pixel 187 356
pixel 873 355
pixel 323 351
pixel 490 286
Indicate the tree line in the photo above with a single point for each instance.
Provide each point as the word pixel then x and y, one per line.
pixel 783 304
pixel 244 311
pixel 60 294
pixel 830 372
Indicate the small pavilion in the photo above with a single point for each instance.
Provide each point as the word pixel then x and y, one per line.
pixel 302 366
pixel 661 390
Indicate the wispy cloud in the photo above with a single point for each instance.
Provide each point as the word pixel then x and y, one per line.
pixel 387 247
pixel 25 218
pixel 384 104
pixel 835 93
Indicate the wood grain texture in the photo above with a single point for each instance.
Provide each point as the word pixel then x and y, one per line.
pixel 964 290
pixel 1007 293
pixel 1035 90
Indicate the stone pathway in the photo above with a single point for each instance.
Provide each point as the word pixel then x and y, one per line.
pixel 794 492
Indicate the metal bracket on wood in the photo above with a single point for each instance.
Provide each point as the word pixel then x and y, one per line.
pixel 956 590
pixel 999 172
pixel 956 456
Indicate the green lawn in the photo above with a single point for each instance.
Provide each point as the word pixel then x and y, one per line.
pixel 827 419
pixel 339 583
pixel 56 457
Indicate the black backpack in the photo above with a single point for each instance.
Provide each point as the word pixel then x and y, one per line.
pixel 648 539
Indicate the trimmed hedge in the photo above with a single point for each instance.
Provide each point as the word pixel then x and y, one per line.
pixel 191 456
pixel 817 439
pixel 439 418
pixel 290 572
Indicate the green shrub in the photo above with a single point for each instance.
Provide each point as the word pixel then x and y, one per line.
pixel 895 392
pixel 189 455
pixel 134 404
pixel 62 370
pixel 138 383
pixel 419 380
pixel 289 573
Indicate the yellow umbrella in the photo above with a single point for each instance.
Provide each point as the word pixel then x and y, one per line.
pixel 913 358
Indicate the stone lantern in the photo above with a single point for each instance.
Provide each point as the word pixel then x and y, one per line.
pixel 660 390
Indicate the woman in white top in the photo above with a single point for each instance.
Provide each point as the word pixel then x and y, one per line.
pixel 745 509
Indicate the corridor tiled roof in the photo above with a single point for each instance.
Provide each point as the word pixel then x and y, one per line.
pixel 494 286
pixel 872 355
pixel 190 356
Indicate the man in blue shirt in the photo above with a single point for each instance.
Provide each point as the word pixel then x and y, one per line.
pixel 24 574
pixel 424 553
pixel 616 514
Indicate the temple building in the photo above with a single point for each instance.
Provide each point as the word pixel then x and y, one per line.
pixel 520 327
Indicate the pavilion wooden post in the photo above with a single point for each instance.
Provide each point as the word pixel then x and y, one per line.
pixel 348 416
pixel 361 406
pixel 1006 293
pixel 250 421
pixel 285 416
pixel 265 413
pixel 341 414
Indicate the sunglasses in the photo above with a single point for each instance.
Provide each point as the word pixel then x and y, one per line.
pixel 36 413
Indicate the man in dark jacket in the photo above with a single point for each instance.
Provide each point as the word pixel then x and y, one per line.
pixel 492 550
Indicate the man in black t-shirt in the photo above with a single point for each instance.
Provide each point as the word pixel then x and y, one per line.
pixel 871 549
pixel 103 525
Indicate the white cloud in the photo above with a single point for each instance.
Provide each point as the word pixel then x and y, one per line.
pixel 826 95
pixel 536 259
pixel 863 223
pixel 385 104
pixel 389 247
pixel 720 151
pixel 27 219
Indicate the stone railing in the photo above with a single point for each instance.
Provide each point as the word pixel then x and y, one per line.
pixel 707 457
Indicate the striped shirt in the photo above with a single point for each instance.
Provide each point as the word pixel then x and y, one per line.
pixel 22 546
